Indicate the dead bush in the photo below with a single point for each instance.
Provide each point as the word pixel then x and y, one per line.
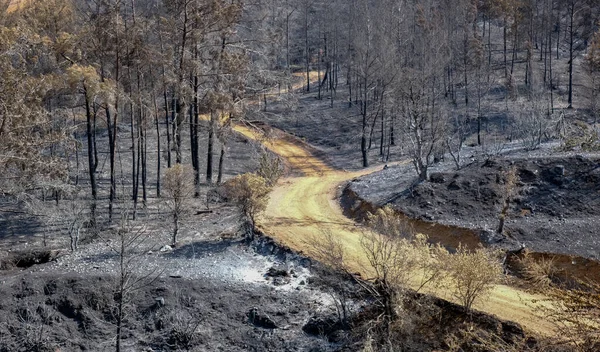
pixel 329 250
pixel 534 122
pixel 270 167
pixel 178 185
pixel 184 330
pixel 250 192
pixel 399 259
pixel 416 312
pixel 509 191
pixel 476 339
pixel 397 254
pixel 473 273
pixel 581 136
pixel 575 314
pixel 539 272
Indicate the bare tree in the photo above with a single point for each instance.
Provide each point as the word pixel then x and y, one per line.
pixel 178 185
pixel 593 67
pixel 473 274
pixel 398 260
pixel 69 217
pixel 132 244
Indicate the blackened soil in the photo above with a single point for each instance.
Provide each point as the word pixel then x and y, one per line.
pixel 555 209
pixel 44 309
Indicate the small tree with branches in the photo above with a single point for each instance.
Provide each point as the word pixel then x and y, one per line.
pixel 399 260
pixel 473 273
pixel 131 245
pixel 250 192
pixel 178 185
pixel 270 167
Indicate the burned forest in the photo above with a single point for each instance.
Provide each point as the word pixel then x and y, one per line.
pixel 299 175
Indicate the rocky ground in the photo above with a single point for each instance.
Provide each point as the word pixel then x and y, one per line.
pixel 213 292
pixel 205 295
pixel 554 210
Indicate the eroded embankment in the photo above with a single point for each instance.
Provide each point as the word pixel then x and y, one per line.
pixel 449 236
pixel 566 268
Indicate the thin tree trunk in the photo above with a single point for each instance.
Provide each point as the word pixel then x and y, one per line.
pixel 221 161
pixel 550 63
pixel 210 153
pixel 168 127
pixel 382 139
pixel 94 139
pixel 158 151
pixel 144 156
pixel 465 62
pixel 319 83
pixel 571 15
pixel 504 34
pixel 196 155
pixel 91 157
pixel 363 140
pixel 306 48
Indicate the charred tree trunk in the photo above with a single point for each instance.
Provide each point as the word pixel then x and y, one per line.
pixel 210 152
pixel 92 163
pixel 158 151
pixel 221 161
pixel 571 30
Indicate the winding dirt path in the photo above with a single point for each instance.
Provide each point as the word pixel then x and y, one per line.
pixel 305 205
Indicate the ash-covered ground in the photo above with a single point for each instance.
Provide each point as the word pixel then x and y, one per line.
pixel 555 208
pixel 205 295
pixel 214 291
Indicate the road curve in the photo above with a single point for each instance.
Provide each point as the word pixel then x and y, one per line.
pixel 305 205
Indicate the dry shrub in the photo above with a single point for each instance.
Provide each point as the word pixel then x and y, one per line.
pixel 575 314
pixel 387 222
pixel 539 272
pixel 178 185
pixel 509 191
pixel 328 249
pixel 416 314
pixel 581 136
pixel 472 338
pixel 184 329
pixel 270 167
pixel 250 192
pixel 473 273
pixel 397 254
pixel 399 259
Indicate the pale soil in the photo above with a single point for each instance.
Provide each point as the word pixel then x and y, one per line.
pixel 306 205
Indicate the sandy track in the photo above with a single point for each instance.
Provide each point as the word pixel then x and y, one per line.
pixel 305 206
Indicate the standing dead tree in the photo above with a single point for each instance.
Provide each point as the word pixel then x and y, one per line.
pixel 178 186
pixel 69 216
pixel 132 244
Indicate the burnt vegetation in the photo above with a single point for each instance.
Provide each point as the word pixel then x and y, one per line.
pixel 130 192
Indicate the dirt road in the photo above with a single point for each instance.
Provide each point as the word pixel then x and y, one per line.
pixel 305 205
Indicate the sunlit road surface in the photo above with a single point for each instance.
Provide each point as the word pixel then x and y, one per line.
pixel 305 205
